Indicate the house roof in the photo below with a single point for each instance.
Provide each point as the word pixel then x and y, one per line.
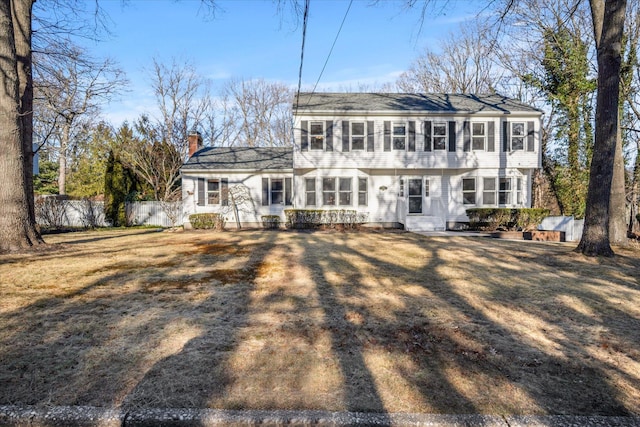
pixel 412 102
pixel 255 158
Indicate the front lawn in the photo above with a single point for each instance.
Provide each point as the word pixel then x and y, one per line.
pixel 372 321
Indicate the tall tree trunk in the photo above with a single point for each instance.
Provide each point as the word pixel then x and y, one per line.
pixel 62 159
pixel 617 202
pixel 22 18
pixel 16 228
pixel 608 22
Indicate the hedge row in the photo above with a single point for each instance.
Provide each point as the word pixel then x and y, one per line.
pixel 491 219
pixel 271 222
pixel 316 218
pixel 207 221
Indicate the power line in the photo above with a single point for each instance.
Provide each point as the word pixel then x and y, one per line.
pixel 304 36
pixel 332 46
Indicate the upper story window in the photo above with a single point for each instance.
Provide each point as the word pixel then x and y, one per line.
pixel 517 136
pixel 357 135
pixel 478 136
pixel 435 136
pixel 399 136
pixel 316 135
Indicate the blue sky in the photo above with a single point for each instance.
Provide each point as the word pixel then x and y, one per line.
pixel 249 39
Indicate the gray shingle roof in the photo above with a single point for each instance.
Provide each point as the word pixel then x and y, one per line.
pixel 256 158
pixel 412 102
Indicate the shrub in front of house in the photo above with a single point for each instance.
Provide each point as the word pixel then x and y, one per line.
pixel 318 218
pixel 207 221
pixel 270 222
pixel 492 219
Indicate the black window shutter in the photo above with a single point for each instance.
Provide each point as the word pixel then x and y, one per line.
pixel 224 191
pixel 304 135
pixel 491 136
pixel 387 136
pixel 287 192
pixel 412 136
pixel 265 191
pixel 452 136
pixel 466 136
pixel 530 140
pixel 200 191
pixel 345 136
pixel 329 136
pixel 505 136
pixel 370 139
pixel 427 136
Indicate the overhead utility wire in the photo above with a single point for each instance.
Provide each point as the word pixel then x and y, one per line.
pixel 332 46
pixel 304 36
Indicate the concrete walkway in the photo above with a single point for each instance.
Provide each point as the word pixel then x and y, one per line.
pixel 81 416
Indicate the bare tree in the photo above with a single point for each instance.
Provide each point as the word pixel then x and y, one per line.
pixel 258 113
pixel 463 64
pixel 160 146
pixel 69 90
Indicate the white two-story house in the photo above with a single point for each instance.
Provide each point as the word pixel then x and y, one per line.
pixel 416 161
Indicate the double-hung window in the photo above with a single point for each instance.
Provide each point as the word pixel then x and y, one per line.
pixel 344 191
pixel 519 200
pixel 399 136
pixel 357 135
pixel 362 192
pixel 316 135
pixel 518 134
pixel 469 191
pixel 337 191
pixel 478 136
pixel 310 191
pixel 439 135
pixel 504 192
pixel 489 191
pixel 213 192
pixel 276 191
pixel 329 191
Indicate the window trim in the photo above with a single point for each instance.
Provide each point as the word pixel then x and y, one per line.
pixel 508 193
pixel 493 191
pixel 317 136
pixel 404 136
pixel 208 192
pixel 523 136
pixel 484 136
pixel 267 191
pixel 363 136
pixel 364 192
pixel 336 193
pixel 307 192
pixel 475 189
pixel 445 137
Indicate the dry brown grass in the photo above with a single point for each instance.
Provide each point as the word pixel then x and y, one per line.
pixel 392 322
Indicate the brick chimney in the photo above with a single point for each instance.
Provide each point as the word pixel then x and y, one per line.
pixel 195 142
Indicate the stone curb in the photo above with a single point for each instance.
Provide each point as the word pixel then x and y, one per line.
pixel 85 416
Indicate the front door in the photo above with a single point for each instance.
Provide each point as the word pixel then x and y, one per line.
pixel 415 196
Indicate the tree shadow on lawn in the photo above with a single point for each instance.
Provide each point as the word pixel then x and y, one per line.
pixel 101 344
pixel 463 352
pixel 336 321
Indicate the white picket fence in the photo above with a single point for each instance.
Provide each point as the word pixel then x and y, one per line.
pixel 56 213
